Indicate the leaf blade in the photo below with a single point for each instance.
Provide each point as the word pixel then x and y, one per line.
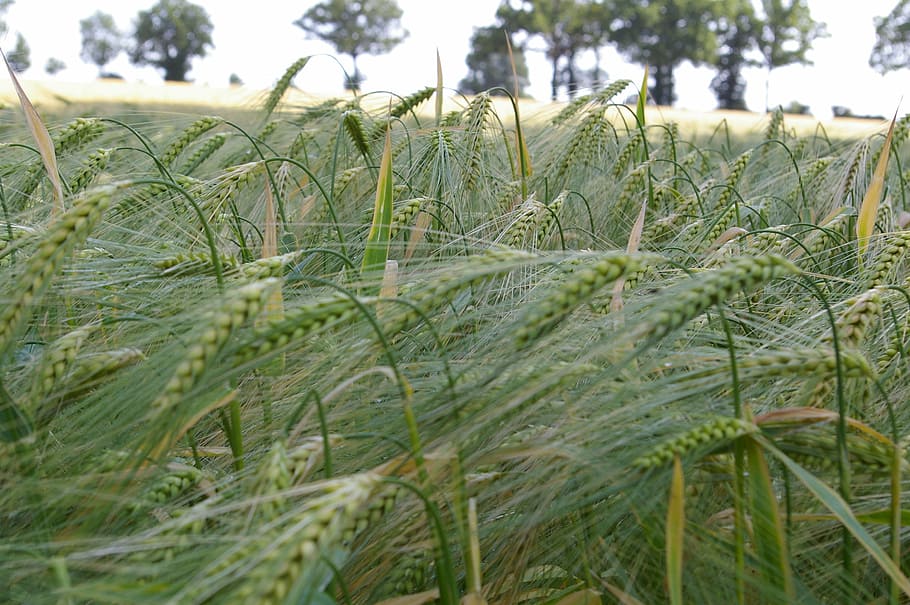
pixel 676 521
pixel 377 246
pixel 868 211
pixel 42 137
pixel 842 511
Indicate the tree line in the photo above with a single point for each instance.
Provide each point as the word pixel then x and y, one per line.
pixel 728 35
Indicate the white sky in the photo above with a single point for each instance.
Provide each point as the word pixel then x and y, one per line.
pixel 257 41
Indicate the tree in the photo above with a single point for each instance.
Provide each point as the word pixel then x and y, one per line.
pixel 664 34
pixel 54 66
pixel 785 35
pixel 20 57
pixel 101 40
pixel 566 27
pixel 355 28
pixel 489 65
pixel 737 37
pixel 4 6
pixel 169 35
pixel 892 45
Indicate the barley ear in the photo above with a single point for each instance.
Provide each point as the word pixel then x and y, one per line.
pixel 283 84
pixel 63 235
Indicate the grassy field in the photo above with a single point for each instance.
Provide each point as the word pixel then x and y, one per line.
pixel 337 351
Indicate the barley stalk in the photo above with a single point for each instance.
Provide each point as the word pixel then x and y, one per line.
pixel 57 359
pixel 193 263
pixel 177 481
pixel 93 165
pixel 476 117
pixel 283 84
pixel 602 97
pixel 190 134
pixel 205 151
pixel 356 130
pixel 399 109
pixel 525 221
pixel 297 323
pixel 704 290
pixel 628 150
pixel 64 234
pixel 577 288
pixel 712 435
pixel 240 306
pixel 854 322
pixel 404 214
pixel 348 506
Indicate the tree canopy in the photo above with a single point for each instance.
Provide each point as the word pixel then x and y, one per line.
pixel 355 28
pixel 4 6
pixel 565 27
pixel 736 36
pixel 20 58
pixel 489 64
pixel 892 46
pixel 101 40
pixel 664 34
pixel 785 33
pixel 53 66
pixel 169 35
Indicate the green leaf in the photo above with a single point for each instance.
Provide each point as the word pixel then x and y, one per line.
pixel 842 511
pixel 377 247
pixel 438 89
pixel 769 532
pixel 881 516
pixel 14 424
pixel 642 97
pixel 676 523
pixel 868 211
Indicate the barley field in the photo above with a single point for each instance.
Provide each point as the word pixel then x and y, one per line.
pixel 350 352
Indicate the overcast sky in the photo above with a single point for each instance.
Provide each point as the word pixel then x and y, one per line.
pixel 257 41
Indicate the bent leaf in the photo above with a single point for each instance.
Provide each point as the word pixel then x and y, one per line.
pixel 831 500
pixel 41 136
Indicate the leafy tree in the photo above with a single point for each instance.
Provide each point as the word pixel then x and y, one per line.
pixel 4 6
pixel 737 37
pixel 892 45
pixel 101 40
pixel 54 66
pixel 169 35
pixel 785 35
pixel 489 65
pixel 235 80
pixel 20 57
pixel 355 28
pixel 664 34
pixel 566 27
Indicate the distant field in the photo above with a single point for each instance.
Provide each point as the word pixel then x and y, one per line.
pixel 58 95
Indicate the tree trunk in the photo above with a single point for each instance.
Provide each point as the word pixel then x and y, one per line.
pixel 352 82
pixel 767 88
pixel 662 91
pixel 571 79
pixel 174 71
pixel 554 82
